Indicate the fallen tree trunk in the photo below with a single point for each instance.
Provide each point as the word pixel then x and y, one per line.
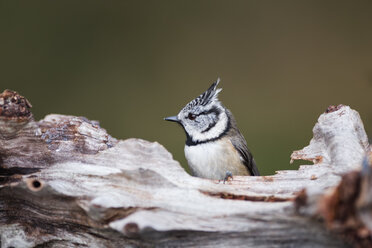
pixel 64 182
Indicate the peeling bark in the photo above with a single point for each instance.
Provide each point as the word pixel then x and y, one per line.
pixel 64 182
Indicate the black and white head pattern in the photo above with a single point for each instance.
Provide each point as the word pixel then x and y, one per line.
pixel 204 118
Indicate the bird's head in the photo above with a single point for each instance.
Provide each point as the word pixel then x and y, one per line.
pixel 204 118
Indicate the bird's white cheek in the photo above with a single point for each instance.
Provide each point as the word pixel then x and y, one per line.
pixel 215 132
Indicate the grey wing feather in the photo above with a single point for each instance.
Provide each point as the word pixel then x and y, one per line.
pixel 241 146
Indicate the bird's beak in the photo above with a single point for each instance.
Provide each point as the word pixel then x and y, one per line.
pixel 172 118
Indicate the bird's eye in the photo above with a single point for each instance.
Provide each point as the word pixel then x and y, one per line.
pixel 191 116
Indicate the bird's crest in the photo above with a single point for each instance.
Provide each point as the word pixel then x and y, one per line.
pixel 210 95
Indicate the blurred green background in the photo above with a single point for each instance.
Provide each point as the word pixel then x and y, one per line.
pixel 128 64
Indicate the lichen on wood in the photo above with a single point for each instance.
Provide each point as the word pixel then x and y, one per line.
pixel 65 182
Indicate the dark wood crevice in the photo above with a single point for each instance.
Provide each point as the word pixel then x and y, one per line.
pixel 224 195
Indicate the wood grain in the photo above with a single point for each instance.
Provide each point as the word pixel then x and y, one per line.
pixel 65 182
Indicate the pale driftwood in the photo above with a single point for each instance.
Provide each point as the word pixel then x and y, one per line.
pixel 64 182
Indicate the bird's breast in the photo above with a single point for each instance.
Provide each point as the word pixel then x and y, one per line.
pixel 213 159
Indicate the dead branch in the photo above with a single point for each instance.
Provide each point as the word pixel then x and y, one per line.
pixel 64 182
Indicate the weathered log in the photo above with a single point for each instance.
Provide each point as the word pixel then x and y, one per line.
pixel 64 182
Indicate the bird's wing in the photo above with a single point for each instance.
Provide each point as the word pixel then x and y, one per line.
pixel 241 146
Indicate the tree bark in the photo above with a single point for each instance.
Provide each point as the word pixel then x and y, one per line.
pixel 65 182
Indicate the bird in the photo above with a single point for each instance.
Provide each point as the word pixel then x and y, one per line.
pixel 214 147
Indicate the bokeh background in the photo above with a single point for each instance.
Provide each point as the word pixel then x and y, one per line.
pixel 128 64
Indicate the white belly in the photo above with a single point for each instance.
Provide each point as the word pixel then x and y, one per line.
pixel 212 160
